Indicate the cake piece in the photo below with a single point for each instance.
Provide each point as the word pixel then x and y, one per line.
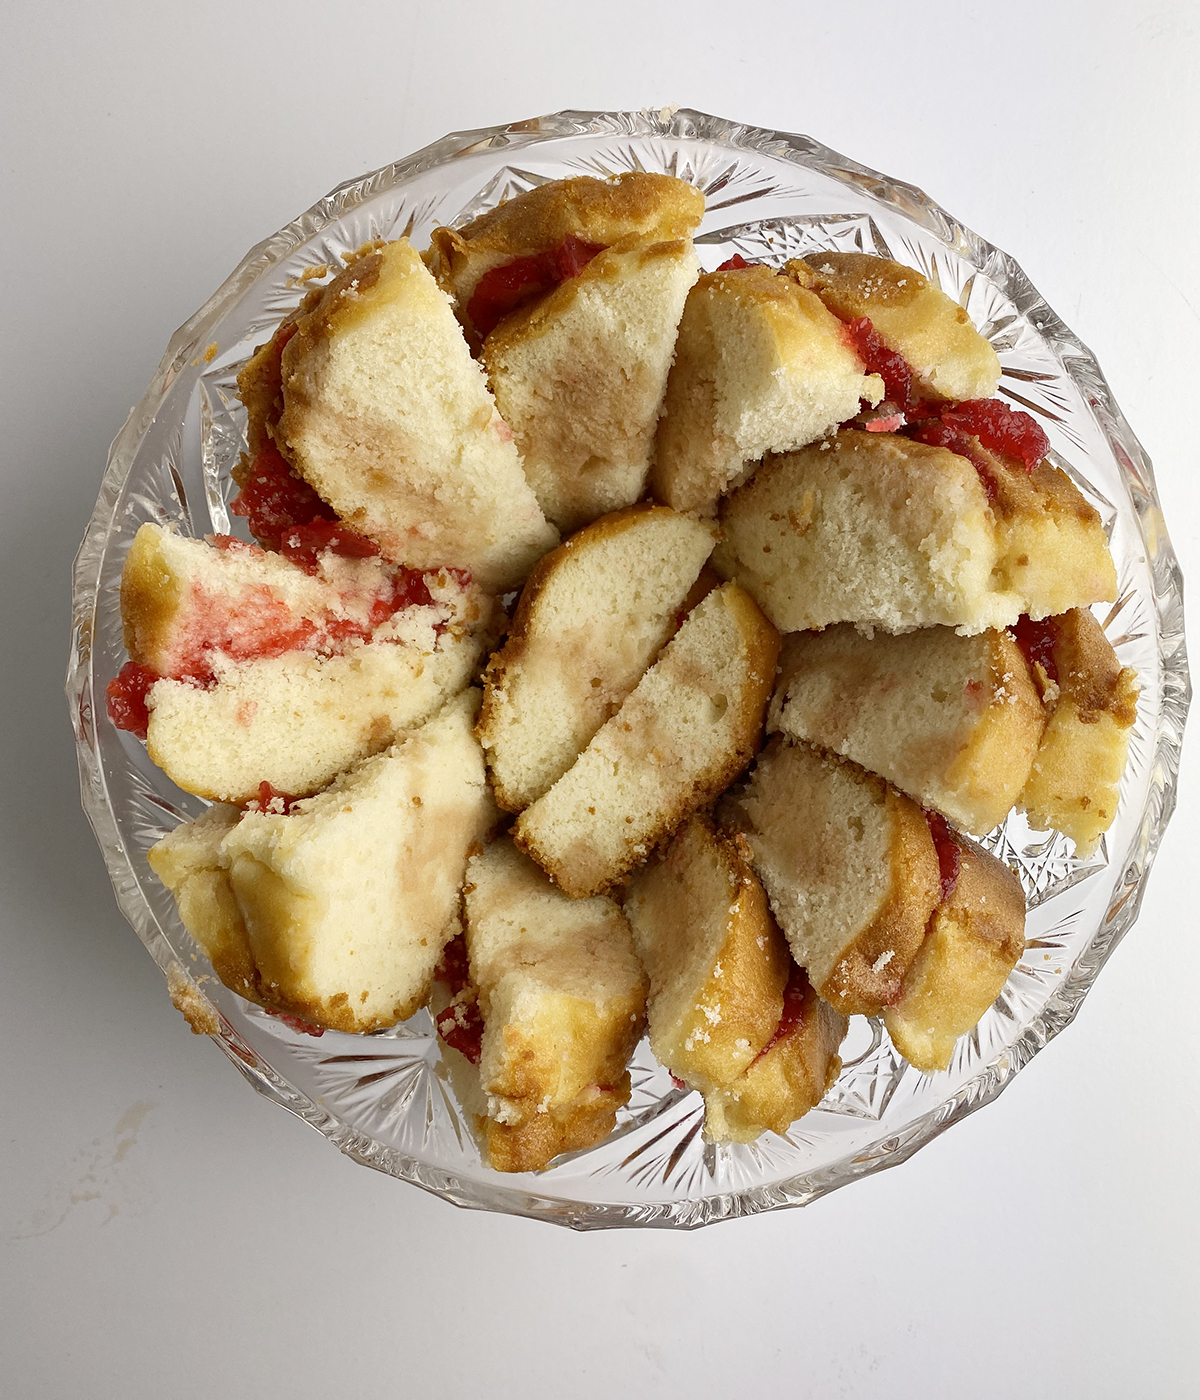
pixel 336 908
pixel 562 997
pixel 952 721
pixel 685 732
pixel 579 376
pixel 529 244
pixel 246 668
pixel 948 357
pixel 389 419
pixel 592 617
pixel 975 939
pixel 849 866
pixel 876 529
pixel 760 366
pixel 1090 703
pixel 792 1074
pixel 972 726
pixel 716 960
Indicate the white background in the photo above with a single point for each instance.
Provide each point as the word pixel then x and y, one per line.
pixel 164 1232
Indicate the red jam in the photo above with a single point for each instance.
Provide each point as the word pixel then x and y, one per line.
pixel 939 434
pixel 272 801
pixel 1036 640
pixel 502 289
pixel 275 501
pixel 999 428
pixel 126 698
pixel 792 1017
pixel 734 264
pixel 461 1027
pixel 453 967
pixel 877 358
pixel 303 544
pixel 948 853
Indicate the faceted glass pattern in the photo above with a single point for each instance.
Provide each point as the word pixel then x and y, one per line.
pixel 385 1099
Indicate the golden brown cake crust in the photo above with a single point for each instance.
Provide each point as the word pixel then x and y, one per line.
pixel 865 979
pixel 948 356
pixel 708 1019
pixel 975 939
pixel 785 1082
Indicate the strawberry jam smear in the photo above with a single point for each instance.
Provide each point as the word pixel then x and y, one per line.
pixel 460 1025
pixel 272 801
pixel 1036 640
pixel 276 502
pixel 734 264
pixel 792 1017
pixel 948 853
pixel 877 358
pixel 126 698
pixel 502 289
pixel 935 433
pixel 999 428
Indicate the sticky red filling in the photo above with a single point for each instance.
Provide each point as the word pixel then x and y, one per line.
pixel 268 795
pixel 256 626
pixel 948 853
pixel 792 1017
pixel 999 428
pixel 454 968
pixel 939 434
pixel 1036 640
pixel 734 264
pixel 502 289
pixel 276 502
pixel 877 358
pixel 126 698
pixel 461 1027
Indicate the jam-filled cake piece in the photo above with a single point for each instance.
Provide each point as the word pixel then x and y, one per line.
pixel 906 314
pixel 760 366
pixel 248 668
pixel 883 531
pixel 383 412
pixel 729 1013
pixel 573 292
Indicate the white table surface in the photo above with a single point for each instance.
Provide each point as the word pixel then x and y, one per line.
pixel 166 1233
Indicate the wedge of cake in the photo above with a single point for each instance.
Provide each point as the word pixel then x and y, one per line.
pixel 531 243
pixel 246 668
pixel 849 866
pixel 336 908
pixel 947 356
pixel 579 375
pixel 715 957
pixel 591 619
pixel 952 721
pixel 562 1000
pixel 879 530
pixel 975 938
pixel 1090 703
pixel 790 1075
pixel 686 731
pixel 387 417
pixel 760 366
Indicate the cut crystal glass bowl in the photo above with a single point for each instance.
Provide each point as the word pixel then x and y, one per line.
pixel 385 1099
